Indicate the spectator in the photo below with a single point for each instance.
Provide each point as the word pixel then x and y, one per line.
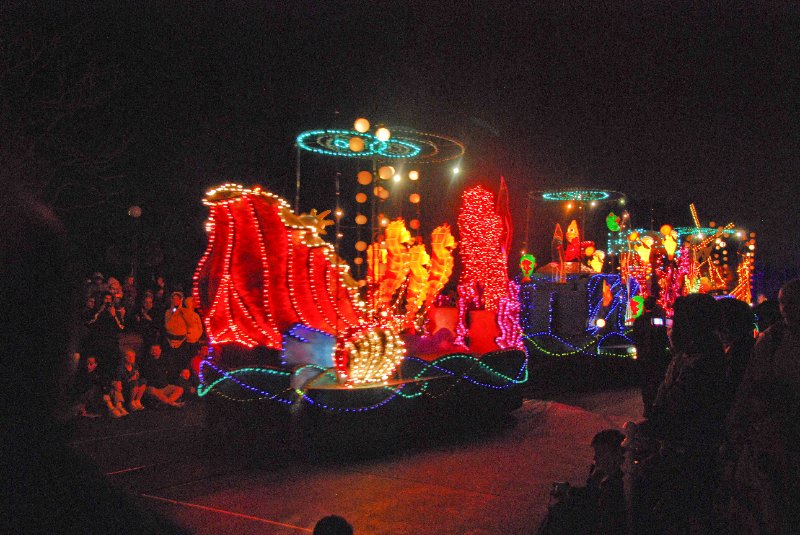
pixel 104 329
pixel 737 334
pixel 116 290
pixel 764 478
pixel 690 405
pixel 87 389
pixel 194 325
pixel 762 426
pixel 131 380
pixel 176 327
pixel 159 290
pixel 115 400
pixel 156 373
pixel 776 355
pixel 188 384
pixel 200 355
pixel 96 285
pixel 768 312
pixel 687 419
pixel 129 293
pixel 333 525
pixel 598 507
pixel 652 350
pixel 147 321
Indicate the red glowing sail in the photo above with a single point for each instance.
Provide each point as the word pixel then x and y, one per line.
pixel 266 269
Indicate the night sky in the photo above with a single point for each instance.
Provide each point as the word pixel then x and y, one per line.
pixel 149 105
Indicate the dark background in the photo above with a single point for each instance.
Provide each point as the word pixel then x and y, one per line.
pixel 112 104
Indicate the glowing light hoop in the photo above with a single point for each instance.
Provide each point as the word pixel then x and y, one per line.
pixel 437 148
pixel 705 231
pixel 581 195
pixel 405 144
pixel 337 143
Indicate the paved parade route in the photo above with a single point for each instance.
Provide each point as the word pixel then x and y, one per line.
pixel 497 484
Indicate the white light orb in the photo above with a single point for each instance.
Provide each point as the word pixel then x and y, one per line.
pixel 361 125
pixel 383 134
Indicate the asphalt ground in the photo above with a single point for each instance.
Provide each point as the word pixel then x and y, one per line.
pixel 493 482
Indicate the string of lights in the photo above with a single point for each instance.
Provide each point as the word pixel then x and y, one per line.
pixel 460 367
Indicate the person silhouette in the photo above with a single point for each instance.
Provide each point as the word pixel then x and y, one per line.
pixel 333 525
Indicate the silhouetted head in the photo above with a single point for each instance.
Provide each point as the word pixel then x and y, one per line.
pixel 767 313
pixel 333 525
pixel 36 331
pixel 737 320
pixel 608 451
pixel 695 323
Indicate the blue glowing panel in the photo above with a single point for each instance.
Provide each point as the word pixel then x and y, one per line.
pixel 303 346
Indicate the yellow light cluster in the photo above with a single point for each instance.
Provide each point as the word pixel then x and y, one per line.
pixel 373 355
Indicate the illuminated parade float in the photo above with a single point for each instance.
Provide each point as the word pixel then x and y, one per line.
pixel 585 300
pixel 289 326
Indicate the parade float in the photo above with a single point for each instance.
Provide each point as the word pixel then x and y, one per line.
pixel 292 331
pixel 577 303
pixel 675 261
pixel 584 301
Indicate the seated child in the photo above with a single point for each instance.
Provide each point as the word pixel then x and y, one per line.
pixel 189 385
pixel 159 387
pixel 113 398
pixel 87 389
pixel 133 384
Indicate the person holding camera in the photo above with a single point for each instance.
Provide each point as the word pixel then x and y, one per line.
pixel 599 506
pixel 104 330
pixel 674 491
pixel 652 350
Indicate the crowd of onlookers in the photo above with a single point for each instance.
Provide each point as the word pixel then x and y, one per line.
pixel 718 450
pixel 135 347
